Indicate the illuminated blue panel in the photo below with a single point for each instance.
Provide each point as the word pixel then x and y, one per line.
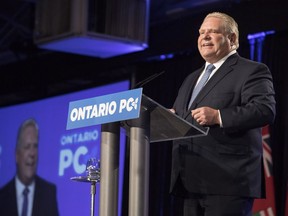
pixel 62 154
pixel 99 47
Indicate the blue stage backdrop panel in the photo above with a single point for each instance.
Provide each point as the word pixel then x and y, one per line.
pixel 62 153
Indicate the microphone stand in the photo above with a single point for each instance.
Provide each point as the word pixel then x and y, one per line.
pixel 93 176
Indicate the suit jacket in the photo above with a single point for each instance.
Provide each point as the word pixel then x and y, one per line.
pixel 228 161
pixel 44 203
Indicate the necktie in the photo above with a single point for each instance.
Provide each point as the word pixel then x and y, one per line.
pixel 201 83
pixel 25 202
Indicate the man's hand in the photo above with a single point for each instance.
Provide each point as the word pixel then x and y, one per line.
pixel 206 116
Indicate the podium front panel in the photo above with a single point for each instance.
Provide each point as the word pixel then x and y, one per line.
pixel 165 125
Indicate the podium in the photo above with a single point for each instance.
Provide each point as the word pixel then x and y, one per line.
pixel 155 124
pixel 165 125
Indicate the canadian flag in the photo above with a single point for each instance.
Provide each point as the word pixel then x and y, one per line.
pixel 266 207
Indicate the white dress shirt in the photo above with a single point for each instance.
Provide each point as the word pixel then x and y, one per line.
pixel 20 197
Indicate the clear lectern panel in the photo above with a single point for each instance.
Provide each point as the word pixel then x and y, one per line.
pixel 165 125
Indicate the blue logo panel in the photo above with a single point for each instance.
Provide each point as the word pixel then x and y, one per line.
pixel 104 109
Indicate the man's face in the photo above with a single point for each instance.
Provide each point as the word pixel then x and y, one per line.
pixel 213 41
pixel 27 155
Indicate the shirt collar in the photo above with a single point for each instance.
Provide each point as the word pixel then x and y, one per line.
pixel 20 186
pixel 221 61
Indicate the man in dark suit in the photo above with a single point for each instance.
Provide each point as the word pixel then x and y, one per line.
pixel 222 173
pixel 41 195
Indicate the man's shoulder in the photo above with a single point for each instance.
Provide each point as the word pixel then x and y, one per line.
pixel 10 184
pixel 249 61
pixel 43 182
pixel 243 62
pixel 7 192
pixel 8 201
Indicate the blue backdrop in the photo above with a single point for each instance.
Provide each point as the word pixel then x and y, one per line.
pixel 62 153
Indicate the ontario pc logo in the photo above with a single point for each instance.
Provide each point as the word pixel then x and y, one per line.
pixel 104 109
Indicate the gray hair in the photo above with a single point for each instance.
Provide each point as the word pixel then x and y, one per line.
pixel 230 24
pixel 23 126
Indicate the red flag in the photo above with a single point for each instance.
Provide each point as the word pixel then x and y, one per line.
pixel 266 207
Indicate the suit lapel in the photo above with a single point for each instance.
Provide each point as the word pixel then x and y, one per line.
pixel 192 80
pixel 37 198
pixel 12 198
pixel 225 69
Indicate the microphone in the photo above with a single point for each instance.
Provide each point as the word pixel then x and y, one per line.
pixel 148 79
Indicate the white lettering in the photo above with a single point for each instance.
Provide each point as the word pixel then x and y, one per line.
pixel 74 114
pixel 129 107
pixel 79 168
pixel 86 136
pixel 94 113
pixel 112 107
pixel 65 160
pixel 88 109
pixel 122 105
